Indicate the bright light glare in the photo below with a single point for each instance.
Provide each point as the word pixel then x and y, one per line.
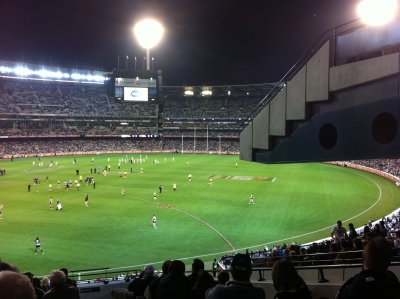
pixel 377 12
pixel 148 33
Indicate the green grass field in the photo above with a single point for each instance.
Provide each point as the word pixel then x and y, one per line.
pixel 293 203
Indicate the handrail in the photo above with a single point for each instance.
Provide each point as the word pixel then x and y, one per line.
pixel 294 70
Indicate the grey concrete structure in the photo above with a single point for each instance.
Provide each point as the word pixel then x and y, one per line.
pixel 296 96
pixel 277 123
pixel 336 107
pixel 261 129
pixel 246 143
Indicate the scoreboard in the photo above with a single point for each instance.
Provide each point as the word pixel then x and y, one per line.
pixel 135 90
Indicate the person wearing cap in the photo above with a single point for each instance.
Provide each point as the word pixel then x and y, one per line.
pixel 352 233
pixel 240 287
pixel 140 284
pixel 338 231
pixel 375 280
pixel 153 286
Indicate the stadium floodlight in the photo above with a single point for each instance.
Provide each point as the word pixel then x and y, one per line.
pixel 206 92
pixel 188 93
pixel 377 12
pixel 148 33
pixel 22 71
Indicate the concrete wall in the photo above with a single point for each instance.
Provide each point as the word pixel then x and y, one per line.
pixel 386 88
pixel 261 130
pixel 246 143
pixel 356 73
pixel 277 116
pixel 296 96
pixel 317 80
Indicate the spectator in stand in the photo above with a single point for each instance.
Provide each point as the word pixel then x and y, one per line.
pixel 45 284
pixel 59 288
pixel 14 285
pixel 338 231
pixel 140 284
pixel 383 229
pixel 287 282
pixel 175 285
pixel 274 257
pixel 352 233
pixel 203 283
pixel 345 256
pixel 38 291
pixel 365 231
pixel 153 286
pixel 223 277
pixel 376 231
pixel 240 287
pixel 397 239
pixel 8 267
pixel 357 244
pixel 375 281
pixel 197 265
pixel 70 281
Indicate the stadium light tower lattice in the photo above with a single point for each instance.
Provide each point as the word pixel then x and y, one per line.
pixel 148 34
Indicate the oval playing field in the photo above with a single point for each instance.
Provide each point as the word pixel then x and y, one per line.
pixel 292 203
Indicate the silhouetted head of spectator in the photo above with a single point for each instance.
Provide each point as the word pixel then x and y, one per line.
pixel 65 270
pixel 285 277
pixel 351 225
pixel 223 277
pixel 357 244
pixel 204 281
pixel 149 270
pixel 339 224
pixel 165 267
pixel 366 229
pixel 36 282
pixel 344 245
pixel 177 267
pixel 16 286
pixel 241 267
pixel 197 265
pixel 8 267
pixel 57 278
pixel 377 254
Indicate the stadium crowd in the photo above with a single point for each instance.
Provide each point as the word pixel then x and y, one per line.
pixel 37 147
pixel 200 284
pixel 391 166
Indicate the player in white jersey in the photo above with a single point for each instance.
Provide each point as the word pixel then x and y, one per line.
pixel 155 196
pixel 154 221
pixel 251 199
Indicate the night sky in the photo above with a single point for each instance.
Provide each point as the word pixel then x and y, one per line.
pixel 206 42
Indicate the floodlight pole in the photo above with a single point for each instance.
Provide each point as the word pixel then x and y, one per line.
pixel 207 139
pixel 148 59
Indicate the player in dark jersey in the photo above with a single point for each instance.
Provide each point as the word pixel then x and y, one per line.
pixel 37 244
pixel 86 199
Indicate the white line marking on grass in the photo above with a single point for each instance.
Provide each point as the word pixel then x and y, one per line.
pixel 318 230
pixel 205 223
pixel 273 180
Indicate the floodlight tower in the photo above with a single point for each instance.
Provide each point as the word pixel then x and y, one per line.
pixel 377 12
pixel 148 34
